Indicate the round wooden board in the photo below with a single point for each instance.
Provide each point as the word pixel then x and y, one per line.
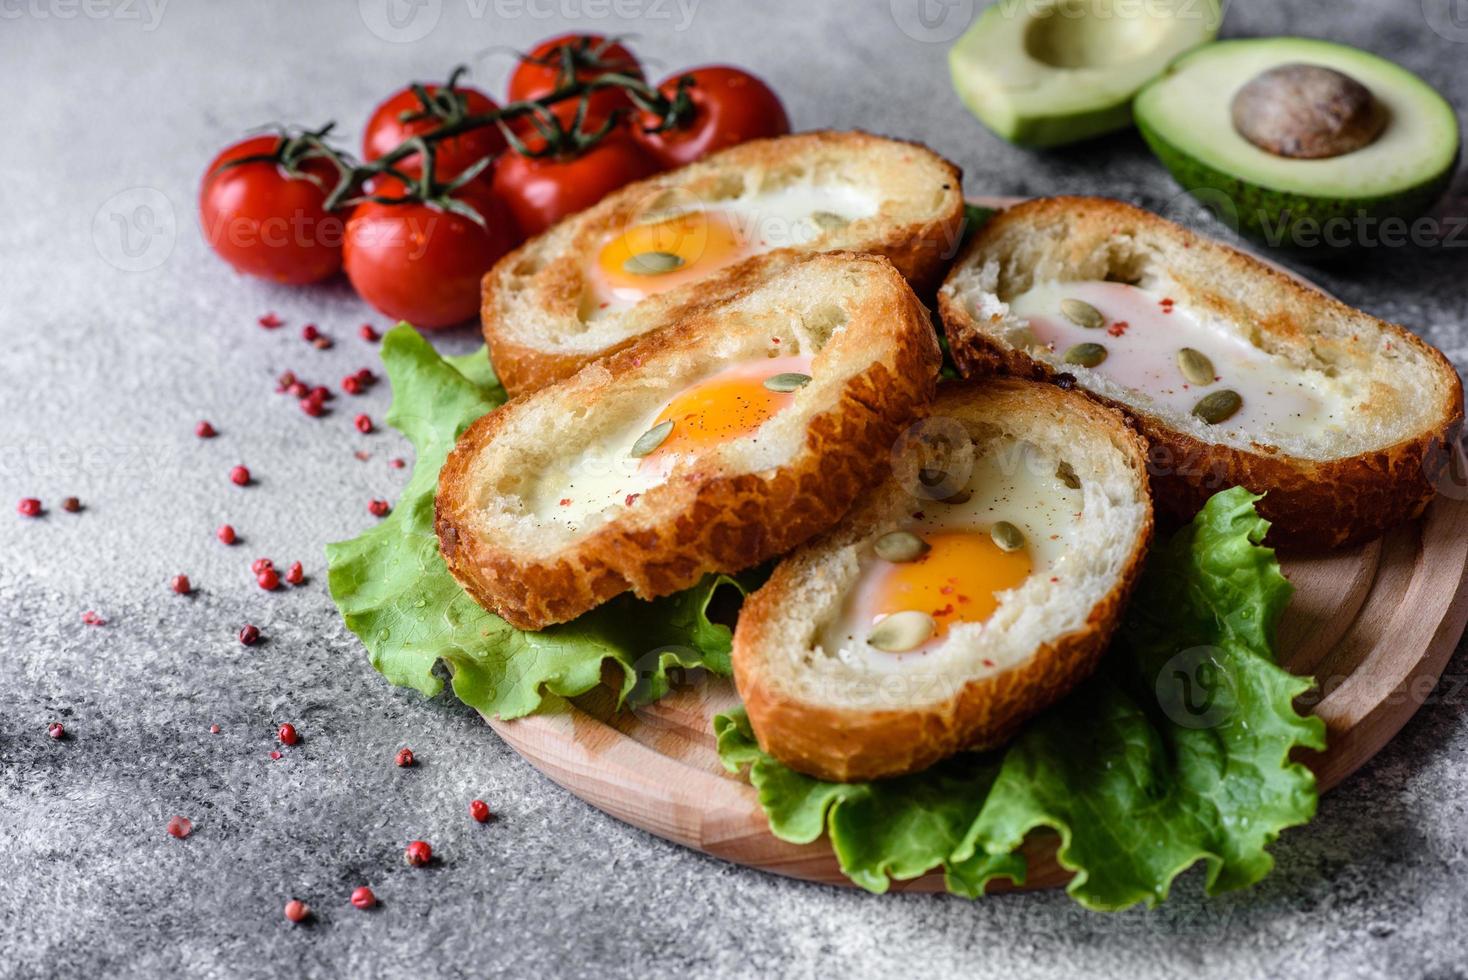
pixel 1374 624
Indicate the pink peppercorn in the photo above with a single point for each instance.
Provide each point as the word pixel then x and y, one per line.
pixel 363 898
pixel 180 827
pixel 249 635
pixel 287 734
pixel 180 584
pixel 260 564
pixel 56 730
pixel 309 332
pixel 365 376
pixel 404 758
pixel 226 534
pixel 367 333
pixel 297 911
pixel 213 729
pixel 270 321
pixel 378 508
pixel 297 389
pixel 351 385
pixel 295 575
pixel 418 854
pixel 28 507
pixel 239 476
pixel 269 580
pixel 479 810
pixel 312 406
pixel 396 463
pixel 205 431
pixel 363 423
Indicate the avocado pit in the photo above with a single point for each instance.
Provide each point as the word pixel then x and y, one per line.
pixel 1307 112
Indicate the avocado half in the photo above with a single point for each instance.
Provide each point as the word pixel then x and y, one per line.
pixel 1287 202
pixel 1049 72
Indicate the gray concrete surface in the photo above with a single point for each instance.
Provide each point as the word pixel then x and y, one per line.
pixel 112 347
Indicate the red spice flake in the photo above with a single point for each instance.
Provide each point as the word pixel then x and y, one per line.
pixel 1054 578
pixel 945 611
pixel 249 635
pixel 946 590
pixel 397 463
pixel 269 580
pixel 213 729
pixel 226 534
pixel 479 810
pixel 71 505
pixel 297 911
pixel 988 662
pixel 295 575
pixel 275 755
pixel 28 507
pixel 270 321
pixel 240 476
pixel 774 340
pixel 363 423
pixel 56 730
pixel 378 508
pixel 418 853
pixel 368 333
pixel 180 584
pixel 287 734
pixel 92 619
pixel 363 898
pixel 1118 328
pixel 261 564
pixel 565 501
pixel 180 827
pixel 309 332
pixel 963 600
pixel 204 430
pixel 351 385
pixel 362 455
pixel 630 498
pixel 403 759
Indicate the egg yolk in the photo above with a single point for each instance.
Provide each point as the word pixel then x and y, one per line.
pixel 728 405
pixel 955 581
pixel 650 258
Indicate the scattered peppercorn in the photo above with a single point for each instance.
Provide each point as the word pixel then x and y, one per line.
pixel 284 382
pixel 295 575
pixel 479 810
pixel 351 385
pixel 312 406
pixel 297 911
pixel 309 332
pixel 71 505
pixel 213 729
pixel 378 508
pixel 363 898
pixel 404 758
pixel 239 476
pixel 249 635
pixel 320 391
pixel 180 827
pixel 270 321
pixel 56 730
pixel 261 564
pixel 181 584
pixel 365 376
pixel 205 431
pixel 287 734
pixel 397 463
pixel 297 389
pixel 367 333
pixel 91 618
pixel 321 343
pixel 275 754
pixel 226 534
pixel 269 580
pixel 28 507
pixel 418 853
pixel 363 423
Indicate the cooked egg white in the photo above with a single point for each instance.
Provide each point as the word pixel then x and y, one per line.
pixel 729 404
pixel 964 576
pixel 658 255
pixel 1143 333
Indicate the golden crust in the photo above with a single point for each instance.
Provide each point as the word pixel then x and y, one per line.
pixel 535 292
pixel 700 522
pixel 1312 504
pixel 849 744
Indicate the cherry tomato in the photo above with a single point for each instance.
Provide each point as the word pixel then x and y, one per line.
pixel 451 157
pixel 265 222
pixel 540 74
pixel 542 190
pixel 420 263
pixel 729 106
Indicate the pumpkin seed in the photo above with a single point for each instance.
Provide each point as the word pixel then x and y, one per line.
pixel 828 220
pixel 791 381
pixel 652 263
pixel 1086 355
pixel 651 439
pixel 902 631
pixel 1218 407
pixel 1067 475
pixel 1007 536
pixel 900 546
pixel 1195 366
pixel 1082 314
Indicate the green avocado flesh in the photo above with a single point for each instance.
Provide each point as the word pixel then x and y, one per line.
pixel 1186 117
pixel 1049 72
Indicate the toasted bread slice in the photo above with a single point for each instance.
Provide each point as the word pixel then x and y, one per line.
pixel 1340 419
pixel 1023 626
pixel 674 458
pixel 565 298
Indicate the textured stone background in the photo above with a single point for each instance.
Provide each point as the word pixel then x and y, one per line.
pixel 104 372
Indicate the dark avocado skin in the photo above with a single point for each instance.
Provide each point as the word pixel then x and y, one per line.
pixel 1296 222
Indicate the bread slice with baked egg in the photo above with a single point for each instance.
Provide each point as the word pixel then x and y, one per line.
pixel 1235 372
pixel 977 584
pixel 737 430
pixel 599 279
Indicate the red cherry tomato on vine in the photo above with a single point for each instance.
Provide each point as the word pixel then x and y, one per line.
pixel 452 156
pixel 730 106
pixel 542 190
pixel 265 222
pixel 423 264
pixel 541 74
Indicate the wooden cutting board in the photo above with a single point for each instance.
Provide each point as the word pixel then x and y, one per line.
pixel 1374 624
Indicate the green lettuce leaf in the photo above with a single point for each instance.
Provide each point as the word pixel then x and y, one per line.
pixel 395 593
pixel 1176 752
